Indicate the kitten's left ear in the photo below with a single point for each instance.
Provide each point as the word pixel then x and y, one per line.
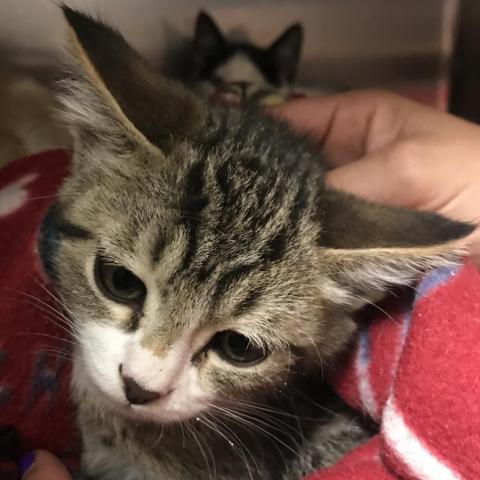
pixel 113 93
pixel 285 53
pixel 208 38
pixel 367 247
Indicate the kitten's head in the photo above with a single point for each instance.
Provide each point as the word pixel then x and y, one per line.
pixel 197 251
pixel 218 61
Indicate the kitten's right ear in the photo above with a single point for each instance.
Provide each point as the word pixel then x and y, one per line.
pixel 114 95
pixel 285 53
pixel 368 248
pixel 208 38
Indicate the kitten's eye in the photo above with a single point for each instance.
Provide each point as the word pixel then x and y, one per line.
pixel 118 283
pixel 237 348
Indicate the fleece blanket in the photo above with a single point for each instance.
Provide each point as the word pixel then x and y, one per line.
pixel 415 368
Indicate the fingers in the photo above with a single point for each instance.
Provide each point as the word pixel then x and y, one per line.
pixel 349 125
pixel 392 176
pixel 43 466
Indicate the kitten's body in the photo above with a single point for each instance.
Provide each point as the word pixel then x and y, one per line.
pixel 210 276
pixel 298 428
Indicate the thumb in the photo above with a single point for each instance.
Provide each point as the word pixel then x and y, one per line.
pixel 40 465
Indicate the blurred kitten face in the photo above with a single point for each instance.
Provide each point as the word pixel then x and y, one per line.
pixel 197 250
pixel 225 67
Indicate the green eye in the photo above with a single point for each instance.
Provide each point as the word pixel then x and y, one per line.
pixel 237 348
pixel 118 283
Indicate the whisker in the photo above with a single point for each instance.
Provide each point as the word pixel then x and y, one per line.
pixel 215 428
pixel 46 335
pixel 241 417
pixel 58 321
pixel 202 451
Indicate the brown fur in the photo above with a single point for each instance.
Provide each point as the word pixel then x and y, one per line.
pixel 225 219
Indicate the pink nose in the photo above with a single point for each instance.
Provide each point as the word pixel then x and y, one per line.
pixel 135 393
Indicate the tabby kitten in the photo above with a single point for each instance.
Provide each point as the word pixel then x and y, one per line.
pixel 210 276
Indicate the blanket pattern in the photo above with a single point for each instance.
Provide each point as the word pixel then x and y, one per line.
pixel 414 368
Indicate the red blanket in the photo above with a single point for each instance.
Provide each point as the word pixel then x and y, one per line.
pixel 415 369
pixel 34 347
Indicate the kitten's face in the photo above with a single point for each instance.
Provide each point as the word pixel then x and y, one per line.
pixel 221 64
pixel 197 251
pixel 200 281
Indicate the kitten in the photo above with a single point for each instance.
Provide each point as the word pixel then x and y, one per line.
pixel 210 276
pixel 221 63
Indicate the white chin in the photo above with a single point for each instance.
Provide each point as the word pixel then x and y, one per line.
pixel 156 412
pixel 160 411
pixel 160 415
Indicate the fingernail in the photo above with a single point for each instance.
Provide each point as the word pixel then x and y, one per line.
pixel 26 463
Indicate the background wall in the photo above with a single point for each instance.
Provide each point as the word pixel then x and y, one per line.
pixel 350 42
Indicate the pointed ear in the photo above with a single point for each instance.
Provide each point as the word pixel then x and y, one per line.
pixel 285 53
pixel 208 37
pixel 369 247
pixel 113 93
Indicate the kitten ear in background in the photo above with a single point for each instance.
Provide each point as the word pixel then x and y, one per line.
pixel 113 92
pixel 369 247
pixel 285 53
pixel 208 38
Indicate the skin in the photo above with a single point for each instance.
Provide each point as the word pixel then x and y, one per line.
pixel 387 149
pixel 397 152
pixel 46 467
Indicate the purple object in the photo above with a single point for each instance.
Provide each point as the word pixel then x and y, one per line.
pixel 26 462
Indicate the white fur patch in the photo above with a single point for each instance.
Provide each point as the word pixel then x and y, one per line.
pixel 105 348
pixel 240 68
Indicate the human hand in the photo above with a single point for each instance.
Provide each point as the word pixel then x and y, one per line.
pixel 394 151
pixel 41 465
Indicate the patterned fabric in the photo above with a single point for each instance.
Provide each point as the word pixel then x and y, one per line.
pixel 414 369
pixel 34 344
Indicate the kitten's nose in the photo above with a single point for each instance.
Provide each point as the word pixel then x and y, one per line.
pixel 135 393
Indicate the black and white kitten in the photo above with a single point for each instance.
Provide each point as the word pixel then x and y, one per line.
pixel 209 275
pixel 218 61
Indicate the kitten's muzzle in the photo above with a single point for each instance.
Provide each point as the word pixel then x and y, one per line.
pixel 136 394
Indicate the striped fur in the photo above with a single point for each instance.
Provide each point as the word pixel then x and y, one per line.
pixel 224 216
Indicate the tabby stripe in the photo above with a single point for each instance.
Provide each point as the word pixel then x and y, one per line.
pixel 158 248
pixel 195 201
pixel 72 231
pixel 247 304
pixel 54 221
pixel 276 246
pixel 227 279
pixel 301 200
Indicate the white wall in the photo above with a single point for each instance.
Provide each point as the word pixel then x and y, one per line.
pixel 346 38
